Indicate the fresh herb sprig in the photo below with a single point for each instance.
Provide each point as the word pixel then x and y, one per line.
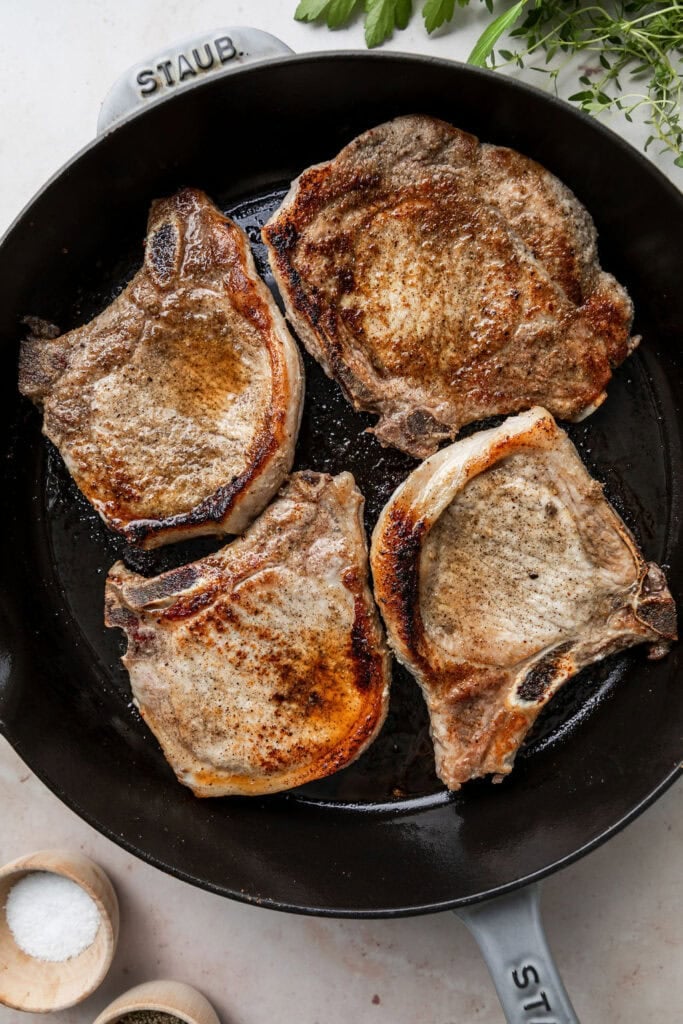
pixel 637 46
pixel 637 51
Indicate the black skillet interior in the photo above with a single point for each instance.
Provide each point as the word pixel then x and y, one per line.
pixel 381 837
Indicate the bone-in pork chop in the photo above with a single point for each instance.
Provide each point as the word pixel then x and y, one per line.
pixel 263 666
pixel 441 281
pixel 176 410
pixel 501 570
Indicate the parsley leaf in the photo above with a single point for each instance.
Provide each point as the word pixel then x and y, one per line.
pixel 383 16
pixel 333 12
pixel 436 12
pixel 404 11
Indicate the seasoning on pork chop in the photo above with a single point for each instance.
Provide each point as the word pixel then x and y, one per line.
pixel 263 666
pixel 501 570
pixel 176 410
pixel 441 281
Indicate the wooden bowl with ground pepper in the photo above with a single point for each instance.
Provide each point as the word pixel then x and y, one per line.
pixel 160 1002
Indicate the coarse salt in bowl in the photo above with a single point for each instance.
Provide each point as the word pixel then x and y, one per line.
pixel 51 917
pixel 58 930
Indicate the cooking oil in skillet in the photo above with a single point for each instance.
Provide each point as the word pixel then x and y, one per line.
pixel 399 765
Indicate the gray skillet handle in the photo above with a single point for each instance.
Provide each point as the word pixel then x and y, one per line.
pixel 510 935
pixel 177 66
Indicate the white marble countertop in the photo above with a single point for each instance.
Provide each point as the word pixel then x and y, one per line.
pixel 614 919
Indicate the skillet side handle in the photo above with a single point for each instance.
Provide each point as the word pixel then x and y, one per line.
pixel 510 935
pixel 177 66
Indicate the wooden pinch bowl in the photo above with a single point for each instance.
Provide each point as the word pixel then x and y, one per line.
pixel 39 986
pixel 173 997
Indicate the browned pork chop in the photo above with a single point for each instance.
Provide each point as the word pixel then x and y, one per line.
pixel 176 410
pixel 501 570
pixel 440 281
pixel 263 666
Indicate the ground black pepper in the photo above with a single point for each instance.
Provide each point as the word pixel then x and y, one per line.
pixel 149 1017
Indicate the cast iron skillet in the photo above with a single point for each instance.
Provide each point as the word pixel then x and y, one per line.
pixel 382 838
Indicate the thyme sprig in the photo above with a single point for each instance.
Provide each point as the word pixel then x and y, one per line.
pixel 638 58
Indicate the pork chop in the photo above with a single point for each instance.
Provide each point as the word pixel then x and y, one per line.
pixel 263 666
pixel 176 410
pixel 441 281
pixel 501 571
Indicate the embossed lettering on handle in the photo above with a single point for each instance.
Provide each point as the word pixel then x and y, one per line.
pixel 187 64
pixel 180 65
pixel 534 999
pixel 511 937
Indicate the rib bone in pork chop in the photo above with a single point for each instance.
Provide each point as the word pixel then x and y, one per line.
pixel 263 666
pixel 501 570
pixel 440 281
pixel 176 410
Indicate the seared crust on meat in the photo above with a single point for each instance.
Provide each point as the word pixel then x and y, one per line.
pixel 263 666
pixel 176 410
pixel 440 281
pixel 501 571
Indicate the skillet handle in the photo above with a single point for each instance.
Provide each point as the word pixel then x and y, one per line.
pixel 179 65
pixel 510 935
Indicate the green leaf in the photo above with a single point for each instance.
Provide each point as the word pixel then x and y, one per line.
pixel 436 12
pixel 490 36
pixel 339 11
pixel 333 12
pixel 381 19
pixel 309 10
pixel 679 161
pixel 404 11
pixel 532 18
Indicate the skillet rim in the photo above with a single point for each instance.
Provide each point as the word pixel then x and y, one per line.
pixel 266 903
pixel 317 56
pixel 563 109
